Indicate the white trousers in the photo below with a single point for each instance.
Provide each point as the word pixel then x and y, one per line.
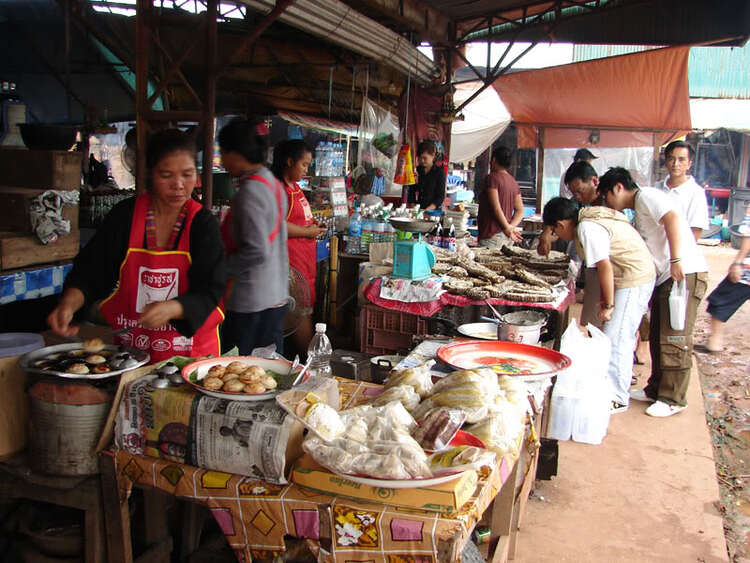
pixel 630 305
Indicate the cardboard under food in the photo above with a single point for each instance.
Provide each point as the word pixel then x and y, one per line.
pixel 447 497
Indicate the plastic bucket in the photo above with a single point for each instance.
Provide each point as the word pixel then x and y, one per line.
pixel 14 403
pixel 66 423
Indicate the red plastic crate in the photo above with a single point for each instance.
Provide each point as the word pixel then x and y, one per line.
pixel 388 332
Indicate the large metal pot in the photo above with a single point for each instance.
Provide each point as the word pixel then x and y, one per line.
pixel 523 327
pixel 381 366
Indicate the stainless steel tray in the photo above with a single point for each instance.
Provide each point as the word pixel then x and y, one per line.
pixel 412 225
pixel 25 361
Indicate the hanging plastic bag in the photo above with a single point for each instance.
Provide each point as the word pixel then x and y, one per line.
pixel 404 167
pixel 678 305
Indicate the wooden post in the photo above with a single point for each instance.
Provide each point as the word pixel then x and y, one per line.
pixel 209 104
pixel 539 169
pixel 142 45
pixel 333 280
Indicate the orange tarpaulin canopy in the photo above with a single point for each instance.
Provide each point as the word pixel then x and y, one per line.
pixel 627 98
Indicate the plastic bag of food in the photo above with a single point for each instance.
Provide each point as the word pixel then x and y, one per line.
pixel 417 377
pixel 438 427
pixel 381 460
pixel 394 412
pixel 312 403
pixel 460 458
pixel 499 432
pixel 405 394
pixel 483 380
pixel 514 389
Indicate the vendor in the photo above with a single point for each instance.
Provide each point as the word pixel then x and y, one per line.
pixel 500 203
pixel 258 263
pixel 291 158
pixel 429 191
pixel 157 260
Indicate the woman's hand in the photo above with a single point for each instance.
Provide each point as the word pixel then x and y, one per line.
pixel 59 320
pixel 676 271
pixel 60 317
pixel 316 229
pixel 735 273
pixel 156 315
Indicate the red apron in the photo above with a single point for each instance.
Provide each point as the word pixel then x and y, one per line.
pixel 302 251
pixel 149 276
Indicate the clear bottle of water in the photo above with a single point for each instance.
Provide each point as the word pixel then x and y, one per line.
pixel 355 232
pixel 319 353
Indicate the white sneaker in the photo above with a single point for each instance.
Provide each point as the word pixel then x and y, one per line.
pixel 640 395
pixel 661 409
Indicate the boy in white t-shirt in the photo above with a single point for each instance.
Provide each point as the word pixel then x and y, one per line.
pixel 678 158
pixel 677 257
pixel 606 241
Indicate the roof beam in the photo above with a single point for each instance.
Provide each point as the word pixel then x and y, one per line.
pixel 413 15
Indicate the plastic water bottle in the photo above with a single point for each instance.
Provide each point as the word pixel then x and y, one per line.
pixel 355 232
pixel 319 353
pixel 451 238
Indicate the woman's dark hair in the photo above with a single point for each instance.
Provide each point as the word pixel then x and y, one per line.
pixel 680 145
pixel 560 209
pixel 243 137
pixel 616 175
pixel 295 149
pixel 502 156
pixel 164 143
pixel 428 147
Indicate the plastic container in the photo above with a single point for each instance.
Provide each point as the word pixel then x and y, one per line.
pixel 14 403
pixel 319 353
pixel 678 305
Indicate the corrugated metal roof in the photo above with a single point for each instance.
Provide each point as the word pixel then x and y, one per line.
pixel 713 72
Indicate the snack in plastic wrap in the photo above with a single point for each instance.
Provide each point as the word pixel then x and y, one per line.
pixel 380 460
pixel 513 388
pixel 438 427
pixel 460 458
pixel 394 412
pixel 324 420
pixel 405 394
pixel 483 379
pixel 499 431
pixel 417 377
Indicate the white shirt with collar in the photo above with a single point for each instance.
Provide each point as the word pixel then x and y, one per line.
pixel 692 199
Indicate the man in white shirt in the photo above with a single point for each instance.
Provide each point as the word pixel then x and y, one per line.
pixel 678 158
pixel 677 258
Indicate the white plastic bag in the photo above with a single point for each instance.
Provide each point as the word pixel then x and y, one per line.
pixel 678 305
pixel 579 407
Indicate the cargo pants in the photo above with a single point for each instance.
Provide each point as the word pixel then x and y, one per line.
pixel 672 350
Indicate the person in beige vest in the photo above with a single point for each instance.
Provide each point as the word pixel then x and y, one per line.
pixel 678 258
pixel 606 240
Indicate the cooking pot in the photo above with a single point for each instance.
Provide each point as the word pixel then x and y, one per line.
pixel 523 327
pixel 381 366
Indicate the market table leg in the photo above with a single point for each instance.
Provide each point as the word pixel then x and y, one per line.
pixel 193 517
pixel 501 518
pixel 116 513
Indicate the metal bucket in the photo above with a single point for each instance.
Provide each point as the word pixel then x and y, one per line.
pixel 66 423
pixel 522 327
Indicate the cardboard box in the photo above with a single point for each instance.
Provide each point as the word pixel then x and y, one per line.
pixel 447 497
pixel 14 209
pixel 44 170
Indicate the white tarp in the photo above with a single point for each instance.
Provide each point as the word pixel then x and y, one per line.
pixel 486 119
pixel 717 113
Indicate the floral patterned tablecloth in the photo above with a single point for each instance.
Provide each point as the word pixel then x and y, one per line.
pixel 255 515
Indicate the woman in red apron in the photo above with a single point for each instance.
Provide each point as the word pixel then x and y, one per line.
pixel 291 158
pixel 158 262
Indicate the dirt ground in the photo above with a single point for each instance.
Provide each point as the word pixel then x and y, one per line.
pixel 725 380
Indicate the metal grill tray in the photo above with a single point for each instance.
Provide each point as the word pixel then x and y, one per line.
pixel 26 360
